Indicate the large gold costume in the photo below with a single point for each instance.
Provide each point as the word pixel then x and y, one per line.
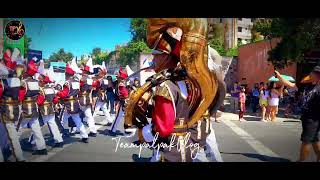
pixel 193 58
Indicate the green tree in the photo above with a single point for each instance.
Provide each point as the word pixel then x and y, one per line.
pixel 297 37
pixel 27 43
pixel 130 53
pixel 61 55
pixel 96 51
pixel 138 29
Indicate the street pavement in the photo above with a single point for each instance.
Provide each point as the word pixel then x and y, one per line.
pixel 250 141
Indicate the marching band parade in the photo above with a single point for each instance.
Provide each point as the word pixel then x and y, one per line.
pixel 173 106
pixel 170 112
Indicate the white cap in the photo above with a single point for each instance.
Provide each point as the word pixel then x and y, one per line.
pixel 90 64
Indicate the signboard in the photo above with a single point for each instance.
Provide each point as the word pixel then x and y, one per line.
pixel 35 55
pixel 145 61
pixel 59 69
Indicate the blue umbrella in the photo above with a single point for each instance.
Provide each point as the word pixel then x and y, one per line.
pixel 286 77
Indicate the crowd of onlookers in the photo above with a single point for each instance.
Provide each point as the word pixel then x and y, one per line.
pixel 264 100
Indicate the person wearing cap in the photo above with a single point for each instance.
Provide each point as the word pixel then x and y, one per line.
pixel 101 85
pixel 123 94
pixel 10 88
pixel 69 97
pixel 85 99
pixel 46 108
pixel 310 114
pixel 30 113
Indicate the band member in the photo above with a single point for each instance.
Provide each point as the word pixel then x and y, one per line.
pixel 122 93
pixel 101 85
pixel 85 98
pixel 182 92
pixel 46 108
pixel 30 113
pixel 69 97
pixel 10 88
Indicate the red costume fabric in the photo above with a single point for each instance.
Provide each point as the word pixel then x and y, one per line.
pixel 164 116
pixel 1 90
pixel 123 92
pixel 96 84
pixel 69 70
pixel 22 94
pixel 8 62
pixel 32 68
pixel 40 99
pixel 61 94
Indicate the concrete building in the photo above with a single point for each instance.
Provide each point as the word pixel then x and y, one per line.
pixel 235 30
pixel 253 66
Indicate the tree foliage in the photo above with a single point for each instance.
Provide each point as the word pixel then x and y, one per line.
pixel 138 29
pixel 130 53
pixel 61 55
pixel 27 43
pixel 298 36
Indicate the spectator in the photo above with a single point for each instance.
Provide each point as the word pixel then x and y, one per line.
pixel 110 95
pixel 274 100
pixel 310 115
pixel 242 103
pixel 255 98
pixel 235 97
pixel 263 100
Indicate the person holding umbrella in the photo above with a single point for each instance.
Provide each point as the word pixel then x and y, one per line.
pixel 310 116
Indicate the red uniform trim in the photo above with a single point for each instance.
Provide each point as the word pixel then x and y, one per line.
pixel 163 116
pixel 40 99
pixel 123 92
pixel 22 94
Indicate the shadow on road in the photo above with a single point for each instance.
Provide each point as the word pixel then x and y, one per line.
pixel 136 158
pixel 261 157
pixel 252 118
pixel 107 132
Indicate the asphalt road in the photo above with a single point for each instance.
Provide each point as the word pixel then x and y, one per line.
pixel 251 141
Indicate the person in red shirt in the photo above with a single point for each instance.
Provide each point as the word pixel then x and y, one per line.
pixel 122 93
pixel 10 112
pixel 46 107
pixel 101 85
pixel 69 95
pixel 28 95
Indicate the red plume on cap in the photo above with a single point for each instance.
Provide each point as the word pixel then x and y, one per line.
pixel 32 68
pixel 122 74
pixel 47 80
pixel 69 70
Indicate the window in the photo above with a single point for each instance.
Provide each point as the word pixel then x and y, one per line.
pixel 251 19
pixel 220 20
pixel 239 29
pixel 240 19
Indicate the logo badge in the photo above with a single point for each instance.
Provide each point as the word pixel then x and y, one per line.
pixel 15 30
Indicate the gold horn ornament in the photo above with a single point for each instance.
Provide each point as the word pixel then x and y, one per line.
pixel 193 57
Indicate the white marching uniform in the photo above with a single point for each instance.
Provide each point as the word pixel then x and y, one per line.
pixel 103 106
pixel 118 119
pixel 89 118
pixel 36 131
pixel 77 120
pixel 50 119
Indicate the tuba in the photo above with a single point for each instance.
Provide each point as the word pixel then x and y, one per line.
pixel 193 58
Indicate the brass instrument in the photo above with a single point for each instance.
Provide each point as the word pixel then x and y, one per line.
pixel 193 58
pixel 136 104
